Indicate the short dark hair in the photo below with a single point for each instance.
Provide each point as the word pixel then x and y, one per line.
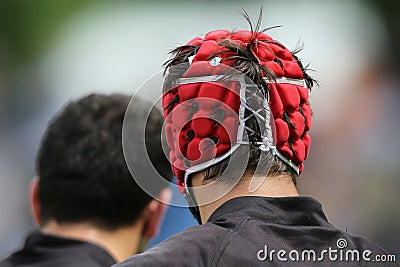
pixel 81 165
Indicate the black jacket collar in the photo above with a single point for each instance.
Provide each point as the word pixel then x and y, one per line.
pixel 299 210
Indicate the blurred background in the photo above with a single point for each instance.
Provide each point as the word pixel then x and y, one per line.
pixel 52 51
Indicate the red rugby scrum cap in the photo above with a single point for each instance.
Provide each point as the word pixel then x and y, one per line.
pixel 208 131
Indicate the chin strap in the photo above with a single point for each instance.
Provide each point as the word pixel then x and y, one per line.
pixel 194 209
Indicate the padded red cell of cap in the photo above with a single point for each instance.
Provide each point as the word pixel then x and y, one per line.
pixel 274 67
pixel 206 49
pixel 303 92
pixel 275 102
pixel 265 54
pixel 196 41
pixel 189 91
pixel 299 151
pixel 289 96
pixel 201 137
pixel 263 37
pixel 232 100
pixel 292 69
pixel 216 35
pixel 306 110
pixel 202 68
pixel 285 150
pixel 241 35
pixel 282 132
pixel 307 141
pixel 169 131
pixel 201 150
pixel 213 91
pixel 203 126
pixel 193 150
pixel 297 121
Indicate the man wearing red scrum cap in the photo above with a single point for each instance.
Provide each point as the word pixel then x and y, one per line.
pixel 237 117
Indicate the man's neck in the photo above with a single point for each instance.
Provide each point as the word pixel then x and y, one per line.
pixel 273 186
pixel 120 243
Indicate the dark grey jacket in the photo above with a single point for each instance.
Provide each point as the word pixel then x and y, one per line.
pixel 260 231
pixel 50 251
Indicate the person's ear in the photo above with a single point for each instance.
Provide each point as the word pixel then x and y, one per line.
pixel 34 201
pixel 154 213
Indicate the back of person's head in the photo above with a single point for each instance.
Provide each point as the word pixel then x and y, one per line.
pixel 202 69
pixel 81 165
